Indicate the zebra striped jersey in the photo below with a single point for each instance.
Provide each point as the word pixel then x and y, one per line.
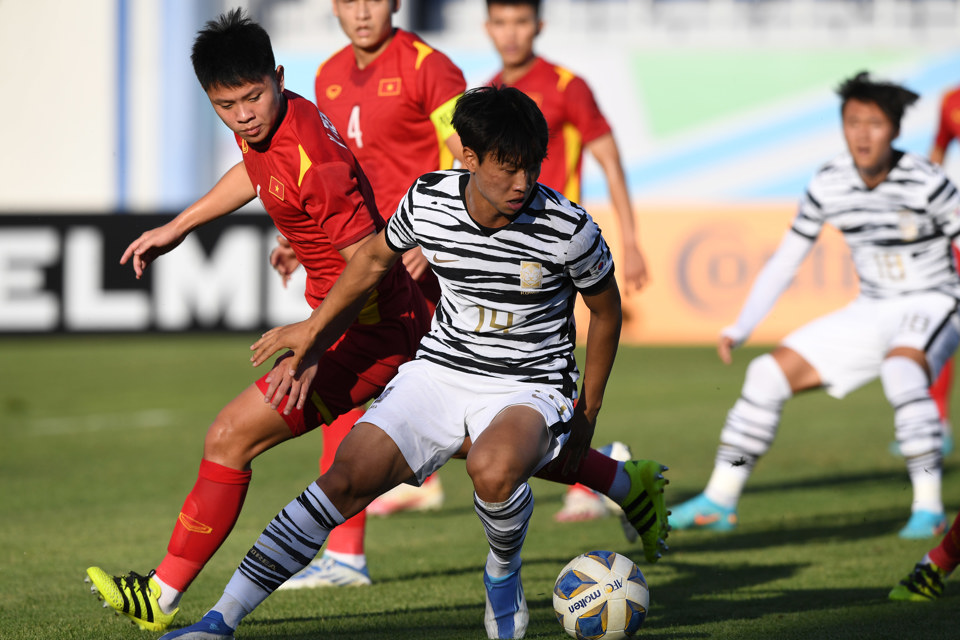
pixel 506 308
pixel 899 232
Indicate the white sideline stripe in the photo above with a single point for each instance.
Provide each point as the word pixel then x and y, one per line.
pixel 146 419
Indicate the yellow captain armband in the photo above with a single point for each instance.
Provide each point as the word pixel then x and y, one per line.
pixel 442 119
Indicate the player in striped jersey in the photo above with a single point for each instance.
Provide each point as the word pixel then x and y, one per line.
pixel 497 367
pixel 898 214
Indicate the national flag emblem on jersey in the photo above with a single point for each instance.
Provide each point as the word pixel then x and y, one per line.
pixel 388 87
pixel 909 229
pixel 531 275
pixel 333 91
pixel 276 188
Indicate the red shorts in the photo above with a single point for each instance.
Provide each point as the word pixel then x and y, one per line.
pixel 355 369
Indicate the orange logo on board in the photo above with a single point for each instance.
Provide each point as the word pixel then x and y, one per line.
pixel 389 87
pixel 276 188
pixel 333 91
pixel 194 525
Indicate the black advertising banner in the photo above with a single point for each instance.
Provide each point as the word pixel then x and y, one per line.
pixel 62 273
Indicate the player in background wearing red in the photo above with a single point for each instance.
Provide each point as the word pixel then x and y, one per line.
pixel 925 582
pixel 391 97
pixel 575 123
pixel 315 192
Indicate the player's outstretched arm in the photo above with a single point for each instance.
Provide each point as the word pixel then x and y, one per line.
pixel 603 338
pixel 368 261
pixel 634 268
pixel 231 192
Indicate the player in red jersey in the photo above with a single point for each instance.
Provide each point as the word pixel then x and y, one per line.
pixel 391 96
pixel 318 197
pixel 576 123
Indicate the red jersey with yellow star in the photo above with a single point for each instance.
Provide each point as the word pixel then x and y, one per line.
pixel 394 114
pixel 572 115
pixel 320 200
pixel 949 128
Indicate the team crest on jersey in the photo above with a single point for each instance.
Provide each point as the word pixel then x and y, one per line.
pixel 388 87
pixel 531 275
pixel 276 188
pixel 909 228
pixel 333 91
pixel 244 147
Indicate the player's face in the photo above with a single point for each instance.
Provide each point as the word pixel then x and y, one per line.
pixel 496 187
pixel 250 110
pixel 869 135
pixel 368 23
pixel 513 29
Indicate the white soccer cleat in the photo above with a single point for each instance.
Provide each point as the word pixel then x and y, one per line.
pixel 327 572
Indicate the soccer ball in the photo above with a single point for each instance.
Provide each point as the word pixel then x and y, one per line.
pixel 601 594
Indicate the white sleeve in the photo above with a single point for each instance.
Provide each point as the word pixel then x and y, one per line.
pixel 771 282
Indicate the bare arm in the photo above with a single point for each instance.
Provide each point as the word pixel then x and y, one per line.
pixel 605 150
pixel 603 338
pixel 230 193
pixel 368 261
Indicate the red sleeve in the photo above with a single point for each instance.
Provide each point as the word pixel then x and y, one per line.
pixel 332 197
pixel 439 80
pixel 944 131
pixel 583 112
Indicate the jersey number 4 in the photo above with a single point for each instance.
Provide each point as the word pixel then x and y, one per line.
pixel 353 127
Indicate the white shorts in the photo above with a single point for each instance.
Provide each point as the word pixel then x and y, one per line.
pixel 428 410
pixel 847 347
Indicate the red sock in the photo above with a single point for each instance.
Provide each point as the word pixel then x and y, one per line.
pixel 206 519
pixel 596 471
pixel 940 389
pixel 348 537
pixel 946 555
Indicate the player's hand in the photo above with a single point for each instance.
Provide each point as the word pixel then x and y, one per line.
pixel 297 337
pixel 578 443
pixel 635 269
pixel 725 348
pixel 283 259
pixel 284 381
pixel 150 246
pixel 415 262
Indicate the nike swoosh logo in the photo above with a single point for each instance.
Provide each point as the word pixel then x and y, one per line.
pixel 441 261
pixel 703 520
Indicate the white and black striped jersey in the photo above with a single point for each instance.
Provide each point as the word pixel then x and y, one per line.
pixel 899 232
pixel 506 308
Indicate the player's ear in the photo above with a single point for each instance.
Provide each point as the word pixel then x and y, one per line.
pixel 396 6
pixel 470 160
pixel 539 28
pixel 280 77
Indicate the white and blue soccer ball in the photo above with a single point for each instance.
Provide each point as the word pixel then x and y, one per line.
pixel 601 594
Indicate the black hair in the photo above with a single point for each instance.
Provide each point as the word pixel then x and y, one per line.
pixel 517 3
pixel 504 122
pixel 231 51
pixel 892 99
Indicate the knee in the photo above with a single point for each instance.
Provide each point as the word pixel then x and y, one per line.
pixel 224 442
pixel 903 379
pixel 765 383
pixel 493 478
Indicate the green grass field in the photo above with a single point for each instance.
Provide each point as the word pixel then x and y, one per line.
pixel 101 437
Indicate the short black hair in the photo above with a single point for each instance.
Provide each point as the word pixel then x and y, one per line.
pixel 892 99
pixel 231 51
pixel 504 122
pixel 517 3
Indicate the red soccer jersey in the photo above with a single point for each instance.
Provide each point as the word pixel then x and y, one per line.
pixel 573 117
pixel 319 199
pixel 394 114
pixel 949 119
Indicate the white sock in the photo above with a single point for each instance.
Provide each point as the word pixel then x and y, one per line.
pixel 726 484
pixel 169 597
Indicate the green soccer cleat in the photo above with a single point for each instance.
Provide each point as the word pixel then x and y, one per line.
pixel 644 506
pixel 923 584
pixel 133 595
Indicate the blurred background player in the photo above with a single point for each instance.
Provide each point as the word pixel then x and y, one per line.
pixel 316 194
pixel 898 214
pixel 576 123
pixel 391 97
pixel 925 582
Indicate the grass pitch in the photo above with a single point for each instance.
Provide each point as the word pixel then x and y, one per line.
pixel 102 437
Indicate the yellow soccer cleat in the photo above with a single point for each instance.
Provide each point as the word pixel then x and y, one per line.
pixel 133 595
